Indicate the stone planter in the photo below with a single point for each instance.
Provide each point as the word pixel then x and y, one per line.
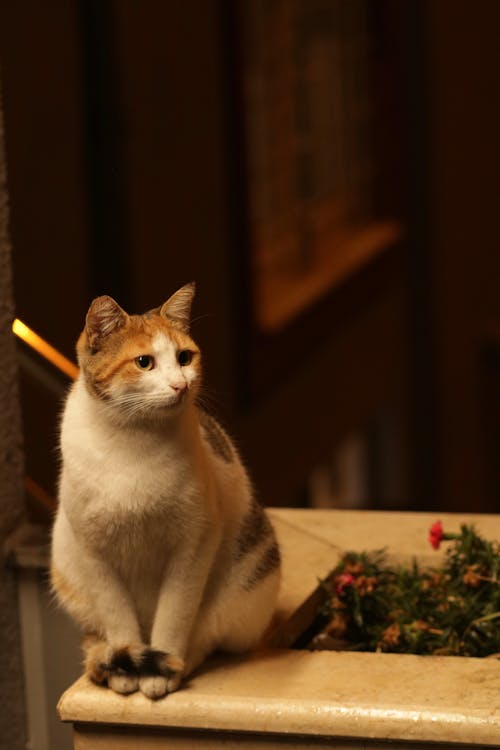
pixel 278 697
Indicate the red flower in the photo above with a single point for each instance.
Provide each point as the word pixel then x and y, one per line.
pixel 341 581
pixel 436 534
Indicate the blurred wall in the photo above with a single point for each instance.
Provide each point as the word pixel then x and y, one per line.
pixel 12 716
pixel 125 179
pixel 463 285
pixel 125 162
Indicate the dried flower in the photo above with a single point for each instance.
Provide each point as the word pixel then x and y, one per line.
pixel 471 577
pixel 395 614
pixel 420 625
pixel 356 568
pixel 424 627
pixel 365 584
pixel 391 635
pixel 436 579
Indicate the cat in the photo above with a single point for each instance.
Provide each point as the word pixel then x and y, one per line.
pixel 160 550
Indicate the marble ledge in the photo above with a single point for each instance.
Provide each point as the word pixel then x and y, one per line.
pixel 321 694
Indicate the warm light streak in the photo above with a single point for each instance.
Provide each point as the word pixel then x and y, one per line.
pixel 44 349
pixel 39 494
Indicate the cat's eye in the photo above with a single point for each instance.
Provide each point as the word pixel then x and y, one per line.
pixel 145 362
pixel 184 357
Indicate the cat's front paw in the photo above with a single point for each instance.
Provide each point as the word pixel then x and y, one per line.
pixel 161 673
pixel 117 667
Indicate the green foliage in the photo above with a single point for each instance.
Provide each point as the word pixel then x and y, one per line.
pixel 453 610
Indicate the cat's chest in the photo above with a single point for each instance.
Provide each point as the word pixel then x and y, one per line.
pixel 133 503
pixel 128 472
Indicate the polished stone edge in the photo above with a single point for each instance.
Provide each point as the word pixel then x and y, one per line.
pixel 223 701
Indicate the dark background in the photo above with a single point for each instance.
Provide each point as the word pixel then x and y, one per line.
pixel 126 159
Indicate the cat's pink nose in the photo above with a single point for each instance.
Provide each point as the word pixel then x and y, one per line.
pixel 179 388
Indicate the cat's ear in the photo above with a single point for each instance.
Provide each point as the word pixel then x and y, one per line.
pixel 178 307
pixel 104 317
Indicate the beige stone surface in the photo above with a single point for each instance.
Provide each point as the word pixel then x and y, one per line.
pixel 373 697
pixel 405 535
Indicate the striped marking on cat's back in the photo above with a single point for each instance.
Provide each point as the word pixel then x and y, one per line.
pixel 255 528
pixel 268 563
pixel 216 437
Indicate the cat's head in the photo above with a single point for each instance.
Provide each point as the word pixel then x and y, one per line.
pixel 141 366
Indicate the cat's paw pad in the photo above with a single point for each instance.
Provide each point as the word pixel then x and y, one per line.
pixel 174 681
pixel 153 686
pixel 123 683
pixel 161 673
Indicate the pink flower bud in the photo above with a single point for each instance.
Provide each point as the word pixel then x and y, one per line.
pixel 341 581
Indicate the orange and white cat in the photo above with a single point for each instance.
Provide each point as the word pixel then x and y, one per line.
pixel 159 551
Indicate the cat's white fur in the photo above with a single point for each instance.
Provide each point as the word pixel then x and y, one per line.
pixel 146 531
